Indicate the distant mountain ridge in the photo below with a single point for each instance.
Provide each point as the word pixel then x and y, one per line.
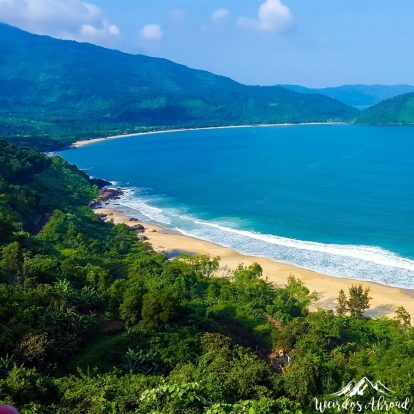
pixel 359 96
pixel 52 88
pixel 395 111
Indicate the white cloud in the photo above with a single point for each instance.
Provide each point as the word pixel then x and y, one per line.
pixel 219 15
pixel 66 19
pixel 152 32
pixel 114 30
pixel 273 16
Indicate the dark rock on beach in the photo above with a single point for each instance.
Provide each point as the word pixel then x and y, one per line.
pixel 106 194
pixel 139 228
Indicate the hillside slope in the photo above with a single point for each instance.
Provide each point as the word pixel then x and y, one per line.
pixel 32 186
pixel 397 110
pixel 66 90
pixel 94 321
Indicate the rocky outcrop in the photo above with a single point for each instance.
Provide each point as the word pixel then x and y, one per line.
pixel 106 194
pixel 139 228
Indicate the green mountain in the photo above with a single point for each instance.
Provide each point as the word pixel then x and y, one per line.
pixel 66 90
pixel 397 110
pixel 359 96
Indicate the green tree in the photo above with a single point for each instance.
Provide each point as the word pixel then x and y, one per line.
pixel 12 262
pixel 358 301
pixel 159 307
pixel 297 289
pixel 342 307
pixel 22 387
pixel 302 379
pixel 173 398
pixel 204 266
pixel 97 277
pixel 7 226
pixel 244 275
pixel 292 301
pixel 131 305
pixel 403 317
pixel 212 342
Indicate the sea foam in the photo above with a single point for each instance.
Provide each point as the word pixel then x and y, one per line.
pixel 367 263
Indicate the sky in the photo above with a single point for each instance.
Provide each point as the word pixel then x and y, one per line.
pixel 313 43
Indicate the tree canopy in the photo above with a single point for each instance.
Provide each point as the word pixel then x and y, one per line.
pixel 94 321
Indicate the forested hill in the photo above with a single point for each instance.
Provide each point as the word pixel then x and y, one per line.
pixel 55 89
pixel 32 186
pixel 395 111
pixel 93 321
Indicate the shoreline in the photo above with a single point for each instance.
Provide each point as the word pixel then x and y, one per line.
pixel 84 142
pixel 385 299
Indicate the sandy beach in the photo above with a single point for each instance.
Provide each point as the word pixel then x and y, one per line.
pixel 384 301
pixel 83 142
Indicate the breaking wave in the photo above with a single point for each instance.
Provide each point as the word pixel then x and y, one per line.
pixel 361 262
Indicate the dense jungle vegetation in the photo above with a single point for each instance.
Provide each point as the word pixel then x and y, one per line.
pixel 94 321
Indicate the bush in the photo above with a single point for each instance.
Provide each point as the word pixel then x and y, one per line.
pixel 159 308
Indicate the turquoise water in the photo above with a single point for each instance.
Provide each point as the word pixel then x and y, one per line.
pixel 332 198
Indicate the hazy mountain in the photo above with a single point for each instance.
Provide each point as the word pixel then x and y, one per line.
pixel 359 96
pixel 397 110
pixel 52 88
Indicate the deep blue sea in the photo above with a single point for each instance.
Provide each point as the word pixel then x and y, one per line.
pixel 338 199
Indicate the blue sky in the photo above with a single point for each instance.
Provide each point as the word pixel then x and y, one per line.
pixel 307 42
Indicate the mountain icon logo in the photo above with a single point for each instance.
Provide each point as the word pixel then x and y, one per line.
pixel 359 388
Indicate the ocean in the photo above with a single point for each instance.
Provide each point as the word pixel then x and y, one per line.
pixel 337 199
